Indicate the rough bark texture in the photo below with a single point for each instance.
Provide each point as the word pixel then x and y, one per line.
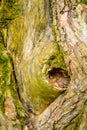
pixel 43 65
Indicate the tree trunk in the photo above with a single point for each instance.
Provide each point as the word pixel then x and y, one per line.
pixel 43 63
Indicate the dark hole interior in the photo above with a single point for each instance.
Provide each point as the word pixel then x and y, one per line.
pixel 59 78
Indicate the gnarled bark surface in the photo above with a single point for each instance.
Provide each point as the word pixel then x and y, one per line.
pixel 44 49
pixel 68 111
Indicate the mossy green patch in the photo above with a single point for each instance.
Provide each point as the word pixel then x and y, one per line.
pixel 31 31
pixel 4 77
pixel 9 10
pixel 17 31
pixel 42 94
pixel 84 1
pixel 8 87
pixel 56 60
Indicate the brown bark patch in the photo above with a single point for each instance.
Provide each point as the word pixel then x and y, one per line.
pixel 56 117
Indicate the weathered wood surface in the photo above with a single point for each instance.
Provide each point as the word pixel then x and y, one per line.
pixel 67 111
pixel 46 46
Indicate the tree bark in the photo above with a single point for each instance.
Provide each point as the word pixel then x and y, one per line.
pixel 46 46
